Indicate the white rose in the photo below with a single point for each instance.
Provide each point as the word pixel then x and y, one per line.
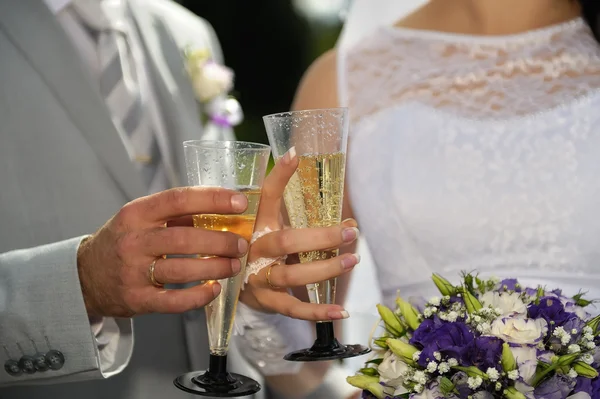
pixel 509 303
pixel 392 371
pixel 210 80
pixel 526 358
pixel 519 329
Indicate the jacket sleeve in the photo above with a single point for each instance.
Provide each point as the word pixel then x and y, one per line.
pixel 45 333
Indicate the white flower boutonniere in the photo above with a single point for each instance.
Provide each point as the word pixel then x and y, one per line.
pixel 212 83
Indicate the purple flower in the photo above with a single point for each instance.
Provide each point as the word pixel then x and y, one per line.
pixel 485 352
pixel 531 291
pixel 552 310
pixel 510 284
pixel 450 339
pixel 574 323
pixel 556 387
pixel 591 387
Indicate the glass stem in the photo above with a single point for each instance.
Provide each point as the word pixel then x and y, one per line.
pixel 325 335
pixel 217 366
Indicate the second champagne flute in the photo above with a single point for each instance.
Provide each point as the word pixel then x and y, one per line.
pixel 314 198
pixel 239 166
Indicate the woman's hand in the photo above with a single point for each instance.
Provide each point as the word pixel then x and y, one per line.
pixel 267 290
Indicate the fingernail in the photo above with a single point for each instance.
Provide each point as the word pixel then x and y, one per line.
pixel 242 246
pixel 349 221
pixel 239 202
pixel 236 266
pixel 350 261
pixel 216 287
pixel 289 155
pixel 339 314
pixel 350 234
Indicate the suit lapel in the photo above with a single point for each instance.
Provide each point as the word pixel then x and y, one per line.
pixel 173 86
pixel 34 30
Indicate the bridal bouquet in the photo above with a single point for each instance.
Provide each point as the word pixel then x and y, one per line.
pixel 485 339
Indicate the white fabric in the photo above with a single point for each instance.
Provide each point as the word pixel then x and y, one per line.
pixel 488 152
pixel 365 16
pixel 264 339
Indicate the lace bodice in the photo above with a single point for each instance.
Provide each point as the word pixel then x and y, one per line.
pixel 478 153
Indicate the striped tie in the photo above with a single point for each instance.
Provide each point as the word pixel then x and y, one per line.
pixel 119 85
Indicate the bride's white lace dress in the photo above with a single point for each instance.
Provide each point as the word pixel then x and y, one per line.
pixel 476 153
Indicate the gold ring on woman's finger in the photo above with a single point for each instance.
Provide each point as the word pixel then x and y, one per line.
pixel 268 275
pixel 151 275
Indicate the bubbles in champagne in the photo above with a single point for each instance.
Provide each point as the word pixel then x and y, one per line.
pixel 314 198
pixel 221 311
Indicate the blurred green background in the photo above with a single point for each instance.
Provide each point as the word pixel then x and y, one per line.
pixel 269 44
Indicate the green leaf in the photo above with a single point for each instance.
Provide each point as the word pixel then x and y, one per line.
pixel 443 285
pixel 585 370
pixel 593 324
pixel 446 386
pixel 403 350
pixel 472 303
pixel 411 316
pixel 370 371
pixel 513 393
pixel 381 342
pixel 374 361
pixel 392 322
pixel 367 383
pixel 508 359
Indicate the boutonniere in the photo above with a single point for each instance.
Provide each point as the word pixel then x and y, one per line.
pixel 212 83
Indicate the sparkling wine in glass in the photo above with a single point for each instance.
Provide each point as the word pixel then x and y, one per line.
pixel 240 166
pixel 313 198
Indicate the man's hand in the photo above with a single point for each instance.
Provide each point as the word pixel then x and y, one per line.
pixel 114 262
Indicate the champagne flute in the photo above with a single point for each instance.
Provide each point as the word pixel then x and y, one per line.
pixel 313 198
pixel 240 166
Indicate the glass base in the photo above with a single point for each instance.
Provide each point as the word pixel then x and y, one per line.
pixel 326 347
pixel 216 381
pixel 321 354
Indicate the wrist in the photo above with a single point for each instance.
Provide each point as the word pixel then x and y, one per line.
pixel 84 253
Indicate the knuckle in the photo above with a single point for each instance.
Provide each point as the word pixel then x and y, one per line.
pixel 283 278
pixel 220 199
pixel 178 198
pixel 126 245
pixel 165 272
pixel 177 239
pixel 334 235
pixel 224 243
pixel 126 214
pixel 285 241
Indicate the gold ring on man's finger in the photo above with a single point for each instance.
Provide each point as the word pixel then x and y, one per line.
pixel 151 275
